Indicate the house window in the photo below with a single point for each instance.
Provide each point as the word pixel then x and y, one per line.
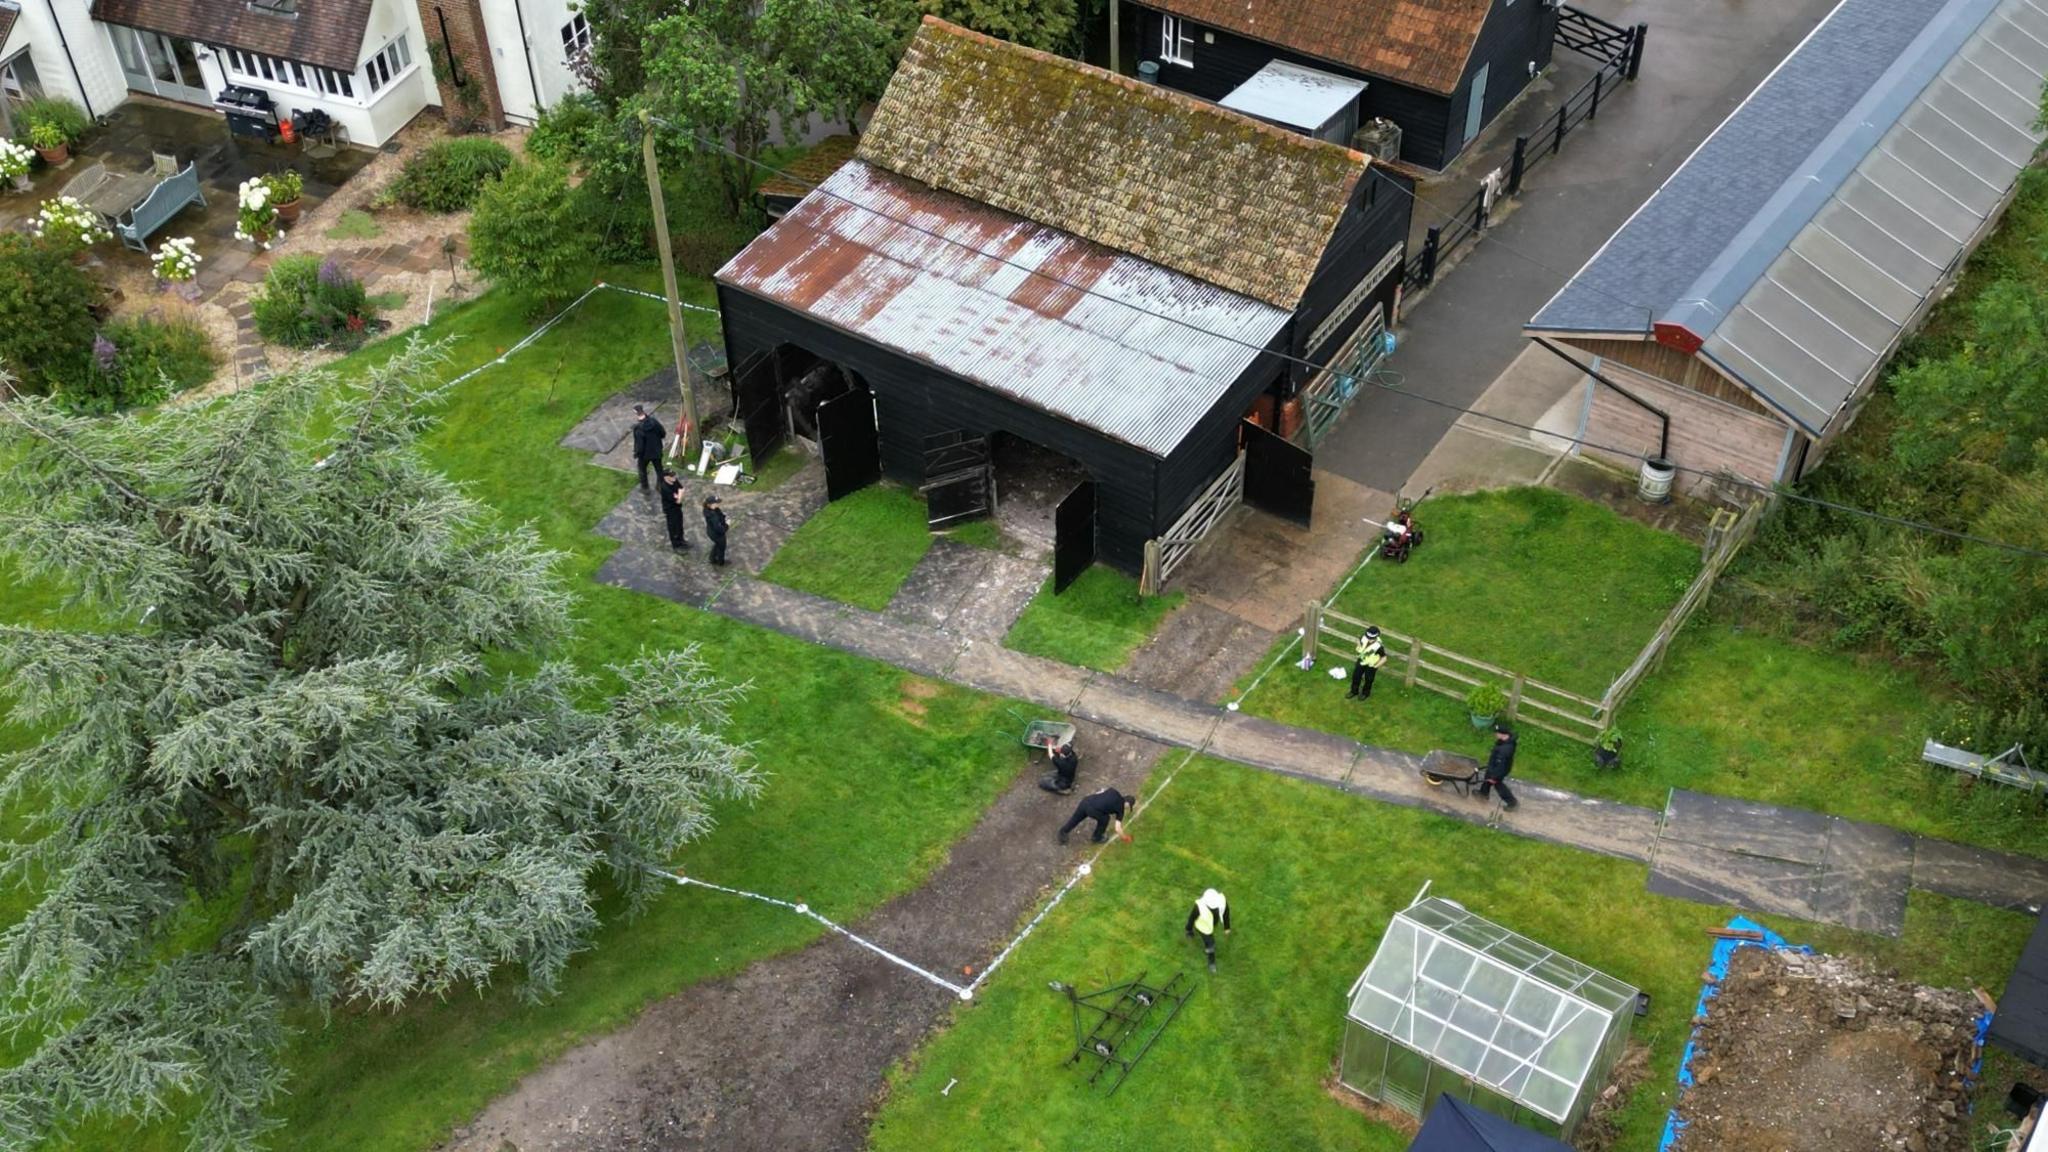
pixel 575 36
pixel 390 62
pixel 254 67
pixel 1176 42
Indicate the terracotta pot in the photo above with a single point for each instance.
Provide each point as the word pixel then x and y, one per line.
pixel 55 156
pixel 289 213
pixel 1290 417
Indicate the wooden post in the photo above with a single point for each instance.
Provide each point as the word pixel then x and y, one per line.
pixel 1515 696
pixel 677 339
pixel 1311 630
pixel 1414 660
pixel 1116 40
pixel 1148 584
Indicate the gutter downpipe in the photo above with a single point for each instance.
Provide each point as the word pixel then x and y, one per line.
pixel 65 43
pixel 526 50
pixel 1664 421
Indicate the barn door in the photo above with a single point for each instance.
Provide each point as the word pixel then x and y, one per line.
pixel 1073 536
pixel 847 441
pixel 757 401
pixel 1277 475
pixel 959 479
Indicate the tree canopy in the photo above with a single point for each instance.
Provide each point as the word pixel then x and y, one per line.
pixel 316 750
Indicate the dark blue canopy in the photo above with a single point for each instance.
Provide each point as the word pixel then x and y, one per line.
pixel 1455 1126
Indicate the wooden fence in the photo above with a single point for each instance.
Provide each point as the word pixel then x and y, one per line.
pixel 1725 536
pixel 1425 665
pixel 1165 553
pixel 1531 701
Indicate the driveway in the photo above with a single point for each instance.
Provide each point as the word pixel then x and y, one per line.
pixel 1701 60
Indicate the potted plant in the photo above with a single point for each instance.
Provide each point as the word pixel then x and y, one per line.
pixel 50 142
pixel 14 162
pixel 1607 749
pixel 256 214
pixel 1484 702
pixel 286 188
pixel 68 224
pixel 176 266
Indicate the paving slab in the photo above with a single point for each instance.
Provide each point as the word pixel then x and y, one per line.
pixel 1117 703
pixel 943 577
pixel 992 668
pixel 835 625
pixel 658 572
pixel 990 609
pixel 1263 743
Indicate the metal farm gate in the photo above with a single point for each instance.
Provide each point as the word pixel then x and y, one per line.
pixel 1343 378
pixel 960 482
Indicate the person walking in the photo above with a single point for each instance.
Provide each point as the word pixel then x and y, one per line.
pixel 1372 656
pixel 1499 763
pixel 668 491
pixel 1107 808
pixel 1209 910
pixel 647 437
pixel 1065 763
pixel 714 528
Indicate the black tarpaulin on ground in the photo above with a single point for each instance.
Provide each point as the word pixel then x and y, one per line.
pixel 1455 1126
pixel 2020 1025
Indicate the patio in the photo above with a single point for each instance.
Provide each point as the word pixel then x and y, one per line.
pixel 142 127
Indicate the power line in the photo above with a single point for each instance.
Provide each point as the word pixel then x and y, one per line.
pixel 1288 357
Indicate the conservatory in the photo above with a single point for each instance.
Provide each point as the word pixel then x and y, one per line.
pixel 1453 1003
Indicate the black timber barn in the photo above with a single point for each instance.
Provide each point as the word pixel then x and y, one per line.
pixel 1440 69
pixel 1032 249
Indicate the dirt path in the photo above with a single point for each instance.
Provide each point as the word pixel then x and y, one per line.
pixel 792 1052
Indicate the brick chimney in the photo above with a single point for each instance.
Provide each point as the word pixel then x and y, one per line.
pixel 457 27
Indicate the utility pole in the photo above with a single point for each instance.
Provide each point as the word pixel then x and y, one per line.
pixel 676 336
pixel 1115 39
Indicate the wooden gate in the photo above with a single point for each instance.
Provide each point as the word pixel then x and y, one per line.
pixel 959 479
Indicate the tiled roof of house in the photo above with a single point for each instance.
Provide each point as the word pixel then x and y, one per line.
pixel 1167 178
pixel 8 13
pixel 795 179
pixel 324 32
pixel 1423 43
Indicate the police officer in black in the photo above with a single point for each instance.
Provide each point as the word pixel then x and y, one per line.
pixel 1499 763
pixel 669 493
pixel 1107 808
pixel 714 527
pixel 1065 763
pixel 647 437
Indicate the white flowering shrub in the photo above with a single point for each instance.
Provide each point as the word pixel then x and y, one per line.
pixel 256 215
pixel 67 223
pixel 14 159
pixel 176 262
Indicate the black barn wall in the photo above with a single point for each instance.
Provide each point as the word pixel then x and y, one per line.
pixel 1232 60
pixel 1363 235
pixel 1209 448
pixel 914 399
pixel 1516 32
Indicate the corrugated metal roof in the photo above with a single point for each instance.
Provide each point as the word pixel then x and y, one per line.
pixel 1293 95
pixel 849 256
pixel 1799 240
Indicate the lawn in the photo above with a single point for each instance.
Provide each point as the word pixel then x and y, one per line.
pixel 822 832
pixel 1246 1063
pixel 858 549
pixel 1096 623
pixel 1533 580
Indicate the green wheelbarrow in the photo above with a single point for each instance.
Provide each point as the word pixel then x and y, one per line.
pixel 1047 734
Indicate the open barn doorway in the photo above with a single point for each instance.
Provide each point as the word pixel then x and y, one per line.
pixel 1031 482
pixel 792 394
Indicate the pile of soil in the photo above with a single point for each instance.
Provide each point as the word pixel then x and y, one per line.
pixel 1803 1053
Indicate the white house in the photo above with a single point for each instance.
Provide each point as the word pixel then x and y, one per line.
pixel 365 63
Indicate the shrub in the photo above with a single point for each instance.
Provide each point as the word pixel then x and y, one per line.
pixel 527 234
pixel 571 130
pixel 63 115
pixel 138 362
pixel 285 186
pixel 1486 699
pixel 447 175
pixel 47 313
pixel 307 302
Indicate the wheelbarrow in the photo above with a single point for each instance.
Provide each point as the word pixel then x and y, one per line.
pixel 1047 734
pixel 1461 772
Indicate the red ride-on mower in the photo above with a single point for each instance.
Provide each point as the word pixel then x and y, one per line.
pixel 1401 535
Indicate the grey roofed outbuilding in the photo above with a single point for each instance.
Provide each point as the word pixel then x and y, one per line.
pixel 1801 240
pixel 1293 95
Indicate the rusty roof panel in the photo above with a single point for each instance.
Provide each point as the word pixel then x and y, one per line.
pixel 975 291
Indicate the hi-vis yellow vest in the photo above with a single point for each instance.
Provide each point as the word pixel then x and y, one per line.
pixel 1205 916
pixel 1371 653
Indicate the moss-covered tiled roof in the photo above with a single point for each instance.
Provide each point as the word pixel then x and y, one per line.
pixel 809 169
pixel 1167 178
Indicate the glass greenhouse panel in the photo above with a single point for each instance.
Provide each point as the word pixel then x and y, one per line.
pixel 1455 1001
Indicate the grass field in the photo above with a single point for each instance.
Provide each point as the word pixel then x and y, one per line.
pixel 1533 580
pixel 402 1081
pixel 1246 1063
pixel 1731 711
pixel 1096 623
pixel 858 549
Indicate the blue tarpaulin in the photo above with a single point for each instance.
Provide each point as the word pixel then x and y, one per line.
pixel 1455 1126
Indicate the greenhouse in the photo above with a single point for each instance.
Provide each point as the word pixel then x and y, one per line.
pixel 1453 1003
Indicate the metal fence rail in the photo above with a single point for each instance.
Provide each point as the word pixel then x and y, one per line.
pixel 1618 52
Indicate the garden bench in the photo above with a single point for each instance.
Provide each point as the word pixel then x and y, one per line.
pixel 134 205
pixel 2008 767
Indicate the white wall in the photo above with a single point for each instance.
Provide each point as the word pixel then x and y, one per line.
pixel 98 69
pixel 543 43
pixel 388 109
